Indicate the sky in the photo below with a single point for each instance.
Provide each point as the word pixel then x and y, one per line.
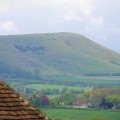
pixel 98 20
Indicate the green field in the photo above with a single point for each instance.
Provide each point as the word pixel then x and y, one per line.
pixel 61 80
pixel 48 86
pixel 96 80
pixel 77 114
pixel 77 84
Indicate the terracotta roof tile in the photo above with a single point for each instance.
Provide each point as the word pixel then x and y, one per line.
pixel 13 107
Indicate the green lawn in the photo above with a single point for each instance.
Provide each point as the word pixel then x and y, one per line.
pixel 77 114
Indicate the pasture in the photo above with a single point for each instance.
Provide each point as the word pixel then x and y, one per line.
pixel 49 86
pixel 79 114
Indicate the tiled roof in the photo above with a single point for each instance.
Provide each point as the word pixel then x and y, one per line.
pixel 13 107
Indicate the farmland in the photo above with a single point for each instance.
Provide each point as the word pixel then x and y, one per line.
pixel 79 114
pixel 48 86
pixel 72 82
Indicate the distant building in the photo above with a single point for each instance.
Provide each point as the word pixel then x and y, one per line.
pixel 13 107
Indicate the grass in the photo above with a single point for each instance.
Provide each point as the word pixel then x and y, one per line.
pixel 78 114
pixel 34 83
pixel 48 86
pixel 76 82
pixel 88 78
pixel 46 55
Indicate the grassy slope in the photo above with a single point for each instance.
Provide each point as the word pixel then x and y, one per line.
pixel 76 114
pixel 57 54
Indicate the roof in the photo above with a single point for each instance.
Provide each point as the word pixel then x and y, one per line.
pixel 13 107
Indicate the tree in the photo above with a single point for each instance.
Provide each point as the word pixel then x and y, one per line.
pixel 45 100
pixel 67 99
pixel 106 104
pixel 115 100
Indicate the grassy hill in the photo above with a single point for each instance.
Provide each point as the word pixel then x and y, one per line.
pixel 55 55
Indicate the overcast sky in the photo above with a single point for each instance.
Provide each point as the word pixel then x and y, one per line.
pixel 97 19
